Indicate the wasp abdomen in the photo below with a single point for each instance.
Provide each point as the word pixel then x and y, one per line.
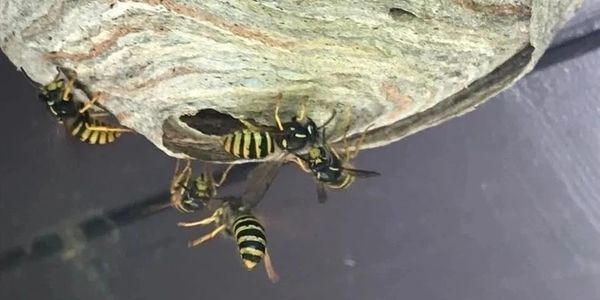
pixel 342 182
pixel 251 239
pixel 249 144
pixel 92 131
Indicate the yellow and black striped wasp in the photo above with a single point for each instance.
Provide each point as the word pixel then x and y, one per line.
pixel 329 169
pixel 245 229
pixel 79 121
pixel 186 198
pixel 234 216
pixel 254 142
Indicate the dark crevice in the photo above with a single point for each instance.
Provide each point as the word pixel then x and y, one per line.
pixel 212 122
pixel 401 15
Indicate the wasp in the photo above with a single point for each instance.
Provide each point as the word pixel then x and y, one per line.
pixel 186 198
pixel 254 142
pixel 240 224
pixel 329 168
pixel 75 115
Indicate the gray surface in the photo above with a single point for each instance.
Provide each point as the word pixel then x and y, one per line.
pixel 499 204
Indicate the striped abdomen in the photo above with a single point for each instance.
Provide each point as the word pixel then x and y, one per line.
pixel 249 144
pixel 342 182
pixel 92 131
pixel 334 176
pixel 251 239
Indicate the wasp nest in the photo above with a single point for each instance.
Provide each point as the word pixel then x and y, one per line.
pixel 184 72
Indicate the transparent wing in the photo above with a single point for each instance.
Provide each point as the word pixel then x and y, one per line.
pixel 321 193
pixel 361 173
pixel 258 182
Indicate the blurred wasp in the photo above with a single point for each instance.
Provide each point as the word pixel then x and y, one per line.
pixel 245 228
pixel 234 218
pixel 75 115
pixel 329 169
pixel 190 199
pixel 255 142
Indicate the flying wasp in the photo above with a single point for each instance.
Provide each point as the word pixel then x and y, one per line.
pixel 204 188
pixel 76 116
pixel 329 169
pixel 255 142
pixel 245 229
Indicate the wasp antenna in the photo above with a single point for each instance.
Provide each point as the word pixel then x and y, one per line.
pixel 328 121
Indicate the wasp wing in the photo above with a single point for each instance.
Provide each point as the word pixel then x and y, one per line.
pixel 321 193
pixel 361 173
pixel 258 182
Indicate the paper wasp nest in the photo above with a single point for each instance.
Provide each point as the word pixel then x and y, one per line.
pixel 400 65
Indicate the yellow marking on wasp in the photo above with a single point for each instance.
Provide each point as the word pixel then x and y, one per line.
pixel 227 143
pixel 94 137
pixel 247 138
pixel 52 110
pixel 237 138
pixel 53 85
pixel 257 141
pixel 249 227
pixel 252 238
pixel 248 264
pixel 102 139
pixel 76 128
pixel 244 218
pixel 86 133
pixel 348 179
pixel 252 251
pixel 269 143
pixel 111 137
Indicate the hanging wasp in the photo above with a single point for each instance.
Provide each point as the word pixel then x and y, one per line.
pixel 254 142
pixel 75 115
pixel 247 231
pixel 329 169
pixel 204 188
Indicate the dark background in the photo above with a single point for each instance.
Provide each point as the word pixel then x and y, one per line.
pixel 502 203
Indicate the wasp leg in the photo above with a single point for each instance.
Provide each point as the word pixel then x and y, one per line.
pixel 95 115
pixel 178 184
pixel 300 163
pixel 249 125
pixel 224 175
pixel 68 89
pixel 346 147
pixel 277 105
pixel 207 236
pixel 269 268
pixel 302 111
pixel 357 145
pixel 106 128
pixel 211 219
pixel 90 103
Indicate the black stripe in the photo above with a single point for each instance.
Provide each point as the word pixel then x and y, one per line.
pixel 251 232
pixel 241 149
pixel 263 144
pixel 272 148
pixel 252 244
pixel 232 136
pixel 244 222
pixel 252 150
pixel 251 257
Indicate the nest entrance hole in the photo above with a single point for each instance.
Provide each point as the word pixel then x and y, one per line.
pixel 212 122
pixel 401 15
